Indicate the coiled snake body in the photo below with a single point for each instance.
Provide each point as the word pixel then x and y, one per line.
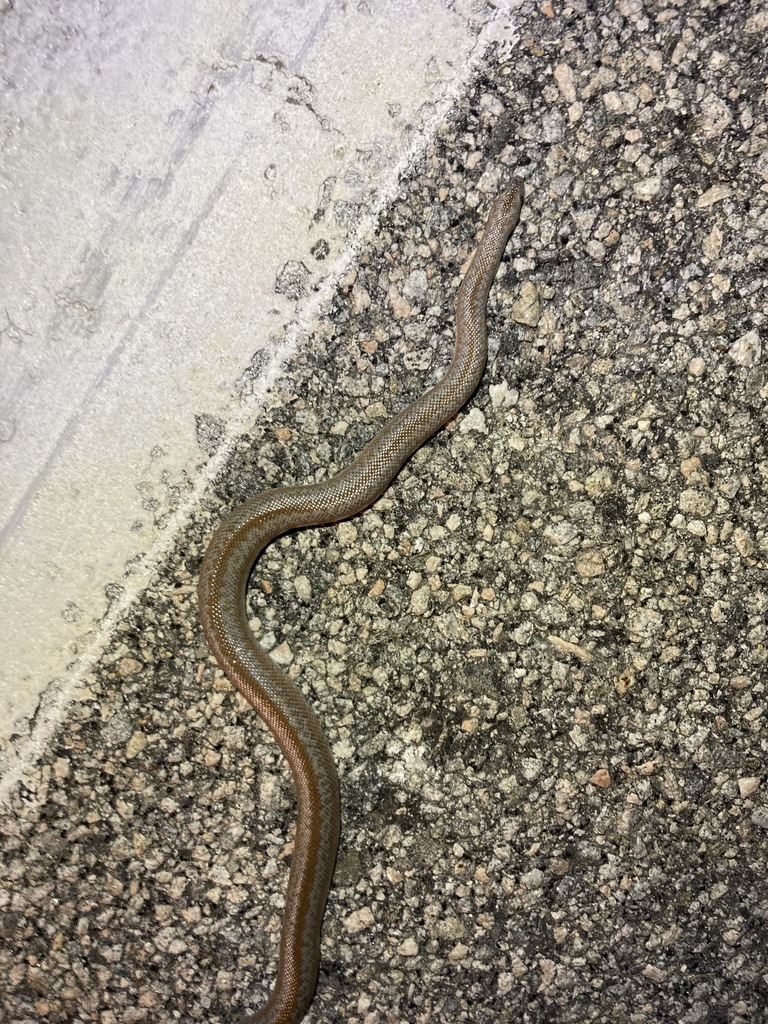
pixel 224 577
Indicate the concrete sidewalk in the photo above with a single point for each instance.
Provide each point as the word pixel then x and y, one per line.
pixel 541 658
pixel 183 190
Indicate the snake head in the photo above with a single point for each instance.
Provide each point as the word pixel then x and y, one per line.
pixel 507 205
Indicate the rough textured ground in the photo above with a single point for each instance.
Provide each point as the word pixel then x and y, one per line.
pixel 541 659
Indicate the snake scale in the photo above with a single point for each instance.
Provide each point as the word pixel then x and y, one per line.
pixel 224 574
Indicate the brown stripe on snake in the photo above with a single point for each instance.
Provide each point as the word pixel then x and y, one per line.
pixel 224 575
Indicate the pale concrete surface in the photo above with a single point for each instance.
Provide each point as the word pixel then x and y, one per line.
pixel 161 168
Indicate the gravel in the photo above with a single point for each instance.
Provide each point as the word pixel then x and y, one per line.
pixel 541 658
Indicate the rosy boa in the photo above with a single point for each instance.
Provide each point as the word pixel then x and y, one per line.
pixel 224 574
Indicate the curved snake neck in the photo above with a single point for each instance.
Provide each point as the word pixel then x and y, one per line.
pixel 224 574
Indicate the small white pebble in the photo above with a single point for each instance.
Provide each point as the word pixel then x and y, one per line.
pixel 748 785
pixel 359 920
pixel 696 366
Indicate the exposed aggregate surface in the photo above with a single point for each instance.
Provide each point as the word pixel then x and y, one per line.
pixel 541 658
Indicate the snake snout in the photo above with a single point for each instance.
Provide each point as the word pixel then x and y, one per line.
pixel 508 204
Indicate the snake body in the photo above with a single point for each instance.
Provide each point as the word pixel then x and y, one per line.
pixel 224 575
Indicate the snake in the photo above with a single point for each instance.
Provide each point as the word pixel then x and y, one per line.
pixel 224 573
